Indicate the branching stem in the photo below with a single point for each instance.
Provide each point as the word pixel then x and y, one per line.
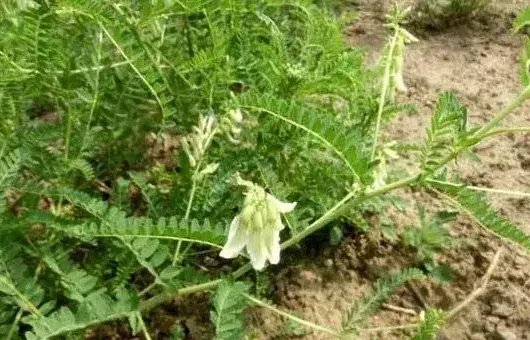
pixel 483 131
pixel 500 131
pixel 339 209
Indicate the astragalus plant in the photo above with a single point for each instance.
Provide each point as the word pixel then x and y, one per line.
pixel 136 136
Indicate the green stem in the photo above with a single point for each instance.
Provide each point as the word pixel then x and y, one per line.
pixel 475 188
pixel 343 206
pixel 164 297
pixel 312 133
pixel 388 328
pixel 500 131
pixel 140 75
pixel 95 68
pixel 503 114
pixel 194 189
pixel 96 95
pixel 192 196
pixel 68 133
pixel 291 317
pixel 188 208
pixel 144 328
pixel 79 70
pixel 384 89
pixel 14 327
pixel 147 289
pixel 340 208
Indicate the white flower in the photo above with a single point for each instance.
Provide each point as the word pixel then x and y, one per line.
pixel 257 227
pixel 236 115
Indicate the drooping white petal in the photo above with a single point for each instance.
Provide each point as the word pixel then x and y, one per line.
pixel 274 248
pixel 283 207
pixel 237 239
pixel 257 251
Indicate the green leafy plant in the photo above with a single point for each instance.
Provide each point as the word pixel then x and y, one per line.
pixel 123 149
pixel 227 316
pixel 433 320
pixel 382 290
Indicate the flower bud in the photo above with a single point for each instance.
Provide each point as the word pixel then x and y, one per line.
pixel 236 115
pixel 257 227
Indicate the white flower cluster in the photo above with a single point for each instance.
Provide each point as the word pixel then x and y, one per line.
pixel 231 125
pixel 257 227
pixel 196 143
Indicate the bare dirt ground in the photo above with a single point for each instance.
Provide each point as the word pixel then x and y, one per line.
pixel 478 60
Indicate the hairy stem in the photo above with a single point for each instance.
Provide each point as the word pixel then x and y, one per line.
pixel 384 90
pixel 68 133
pixel 140 75
pixel 144 328
pixel 192 191
pixel 291 317
pixel 164 297
pixel 188 210
pixel 475 188
pixel 343 206
pixel 340 208
pixel 482 132
pixel 96 93
pixel 500 131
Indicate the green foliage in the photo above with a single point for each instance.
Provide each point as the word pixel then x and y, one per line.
pixel 9 165
pixel 228 304
pixel 448 123
pixel 525 63
pixel 97 186
pixel 522 20
pixel 112 222
pixel 96 308
pixel 476 206
pixel 430 237
pixel 91 159
pixel 432 322
pixel 382 290
pixel 341 140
